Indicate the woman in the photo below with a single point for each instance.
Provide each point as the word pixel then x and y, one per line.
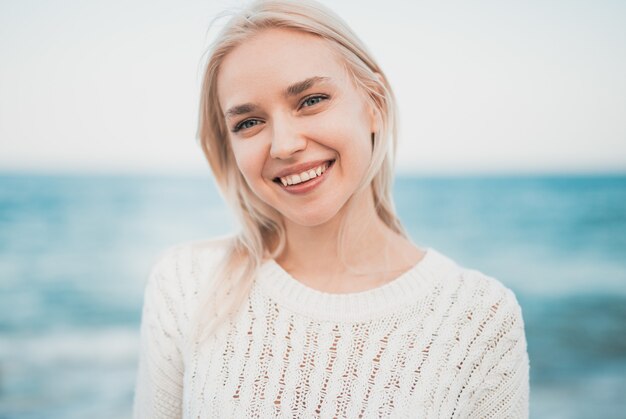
pixel 321 306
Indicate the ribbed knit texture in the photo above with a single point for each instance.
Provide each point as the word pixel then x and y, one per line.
pixel 439 341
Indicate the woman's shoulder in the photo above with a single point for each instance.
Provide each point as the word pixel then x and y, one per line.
pixel 200 251
pixel 486 328
pixel 186 264
pixel 479 289
pixel 488 323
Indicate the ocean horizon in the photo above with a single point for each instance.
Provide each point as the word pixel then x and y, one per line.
pixel 76 250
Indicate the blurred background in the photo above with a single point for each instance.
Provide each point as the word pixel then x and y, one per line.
pixel 512 160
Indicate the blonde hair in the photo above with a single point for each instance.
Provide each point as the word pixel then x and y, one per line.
pixel 262 230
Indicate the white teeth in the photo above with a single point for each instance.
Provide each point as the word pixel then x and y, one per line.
pixel 304 176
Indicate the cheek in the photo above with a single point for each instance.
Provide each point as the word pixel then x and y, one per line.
pixel 249 161
pixel 355 142
pixel 354 128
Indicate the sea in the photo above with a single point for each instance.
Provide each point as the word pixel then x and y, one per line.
pixel 75 252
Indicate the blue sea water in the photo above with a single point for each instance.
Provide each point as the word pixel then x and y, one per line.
pixel 75 252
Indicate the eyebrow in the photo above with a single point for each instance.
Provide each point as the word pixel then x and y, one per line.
pixel 292 90
pixel 240 110
pixel 299 87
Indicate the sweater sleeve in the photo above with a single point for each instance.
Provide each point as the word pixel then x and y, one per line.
pixel 500 388
pixel 159 382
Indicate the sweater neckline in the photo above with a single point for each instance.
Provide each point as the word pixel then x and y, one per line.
pixel 409 287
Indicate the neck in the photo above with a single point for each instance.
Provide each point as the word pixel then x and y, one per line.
pixel 315 249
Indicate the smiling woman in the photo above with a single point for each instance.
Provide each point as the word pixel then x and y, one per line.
pixel 301 116
pixel 321 306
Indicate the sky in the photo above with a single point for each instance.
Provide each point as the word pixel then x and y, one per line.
pixel 483 86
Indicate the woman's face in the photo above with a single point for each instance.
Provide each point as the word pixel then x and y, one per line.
pixel 293 112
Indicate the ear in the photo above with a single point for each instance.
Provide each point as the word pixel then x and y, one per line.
pixel 373 112
pixel 374 118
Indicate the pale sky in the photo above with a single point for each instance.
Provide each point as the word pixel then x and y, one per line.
pixel 482 86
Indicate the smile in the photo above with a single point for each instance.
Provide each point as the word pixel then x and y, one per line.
pixel 305 181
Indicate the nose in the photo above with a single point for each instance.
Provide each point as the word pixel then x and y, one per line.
pixel 286 140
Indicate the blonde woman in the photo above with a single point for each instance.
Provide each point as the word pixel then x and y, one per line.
pixel 321 305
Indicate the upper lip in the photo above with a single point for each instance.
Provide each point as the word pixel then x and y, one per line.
pixel 299 168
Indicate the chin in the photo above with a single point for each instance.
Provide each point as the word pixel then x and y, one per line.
pixel 315 218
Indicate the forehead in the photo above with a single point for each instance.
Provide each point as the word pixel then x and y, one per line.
pixel 273 59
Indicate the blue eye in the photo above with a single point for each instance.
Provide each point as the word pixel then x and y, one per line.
pixel 248 123
pixel 313 100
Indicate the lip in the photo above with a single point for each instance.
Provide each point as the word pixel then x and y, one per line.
pixel 299 168
pixel 309 185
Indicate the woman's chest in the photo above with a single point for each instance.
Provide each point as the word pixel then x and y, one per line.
pixel 291 369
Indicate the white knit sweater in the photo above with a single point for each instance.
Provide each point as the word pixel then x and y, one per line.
pixel 439 341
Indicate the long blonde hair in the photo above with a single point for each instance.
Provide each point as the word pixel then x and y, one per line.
pixel 262 230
